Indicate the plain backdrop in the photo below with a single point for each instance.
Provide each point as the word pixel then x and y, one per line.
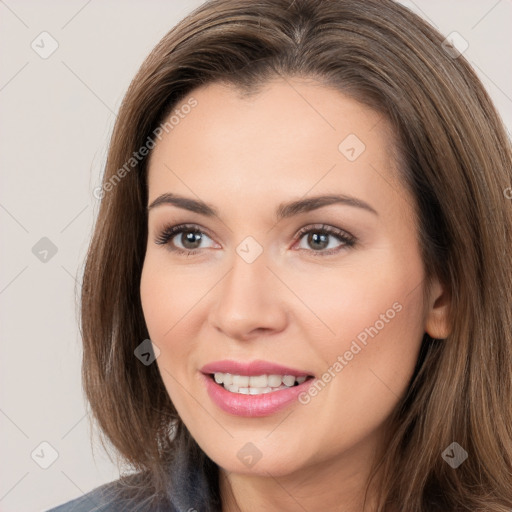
pixel 57 114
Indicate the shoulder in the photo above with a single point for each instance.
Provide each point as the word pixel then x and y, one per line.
pixel 101 499
pixel 114 496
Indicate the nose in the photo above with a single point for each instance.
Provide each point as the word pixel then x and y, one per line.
pixel 249 301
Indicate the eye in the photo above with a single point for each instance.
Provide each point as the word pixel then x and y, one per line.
pixel 324 240
pixel 183 238
pixel 320 239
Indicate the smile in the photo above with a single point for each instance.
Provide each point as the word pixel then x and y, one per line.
pixel 256 384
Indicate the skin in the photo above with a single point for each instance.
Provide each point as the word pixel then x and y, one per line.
pixel 292 306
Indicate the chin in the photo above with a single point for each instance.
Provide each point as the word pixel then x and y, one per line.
pixel 254 461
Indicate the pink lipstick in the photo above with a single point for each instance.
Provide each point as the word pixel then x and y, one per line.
pixel 255 388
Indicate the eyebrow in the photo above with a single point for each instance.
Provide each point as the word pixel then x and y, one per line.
pixel 284 210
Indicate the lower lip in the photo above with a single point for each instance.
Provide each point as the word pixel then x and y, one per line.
pixel 253 405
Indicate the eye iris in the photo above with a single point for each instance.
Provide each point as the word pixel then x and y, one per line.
pixel 191 237
pixel 318 238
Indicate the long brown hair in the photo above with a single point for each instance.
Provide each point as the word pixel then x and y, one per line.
pixel 455 158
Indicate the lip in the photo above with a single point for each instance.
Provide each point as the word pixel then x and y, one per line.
pixel 253 406
pixel 252 368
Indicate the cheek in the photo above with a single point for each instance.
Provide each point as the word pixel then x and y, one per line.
pixel 375 295
pixel 362 334
pixel 173 306
pixel 375 327
pixel 156 298
pixel 167 295
pixel 166 300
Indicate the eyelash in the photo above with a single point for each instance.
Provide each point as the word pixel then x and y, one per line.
pixel 170 231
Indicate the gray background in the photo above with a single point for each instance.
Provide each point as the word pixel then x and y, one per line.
pixel 57 115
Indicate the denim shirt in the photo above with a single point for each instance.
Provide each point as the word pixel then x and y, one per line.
pixel 101 499
pixel 189 490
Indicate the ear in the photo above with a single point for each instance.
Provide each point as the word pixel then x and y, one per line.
pixel 438 309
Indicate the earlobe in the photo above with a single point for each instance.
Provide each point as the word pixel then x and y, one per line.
pixel 437 323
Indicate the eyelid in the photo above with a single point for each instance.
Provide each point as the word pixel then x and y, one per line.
pixel 169 231
pixel 346 239
pixel 331 230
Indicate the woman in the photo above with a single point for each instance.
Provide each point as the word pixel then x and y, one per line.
pixel 298 293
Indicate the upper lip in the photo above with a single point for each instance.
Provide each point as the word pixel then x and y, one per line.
pixel 252 368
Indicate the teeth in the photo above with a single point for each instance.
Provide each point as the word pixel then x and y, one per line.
pixel 289 380
pixel 259 381
pixel 256 384
pixel 274 381
pixel 242 381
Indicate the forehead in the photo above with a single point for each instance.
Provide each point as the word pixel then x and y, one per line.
pixel 290 137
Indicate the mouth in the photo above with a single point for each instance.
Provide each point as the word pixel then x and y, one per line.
pixel 257 384
pixel 254 389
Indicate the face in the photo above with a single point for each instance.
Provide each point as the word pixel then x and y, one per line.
pixel 329 288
